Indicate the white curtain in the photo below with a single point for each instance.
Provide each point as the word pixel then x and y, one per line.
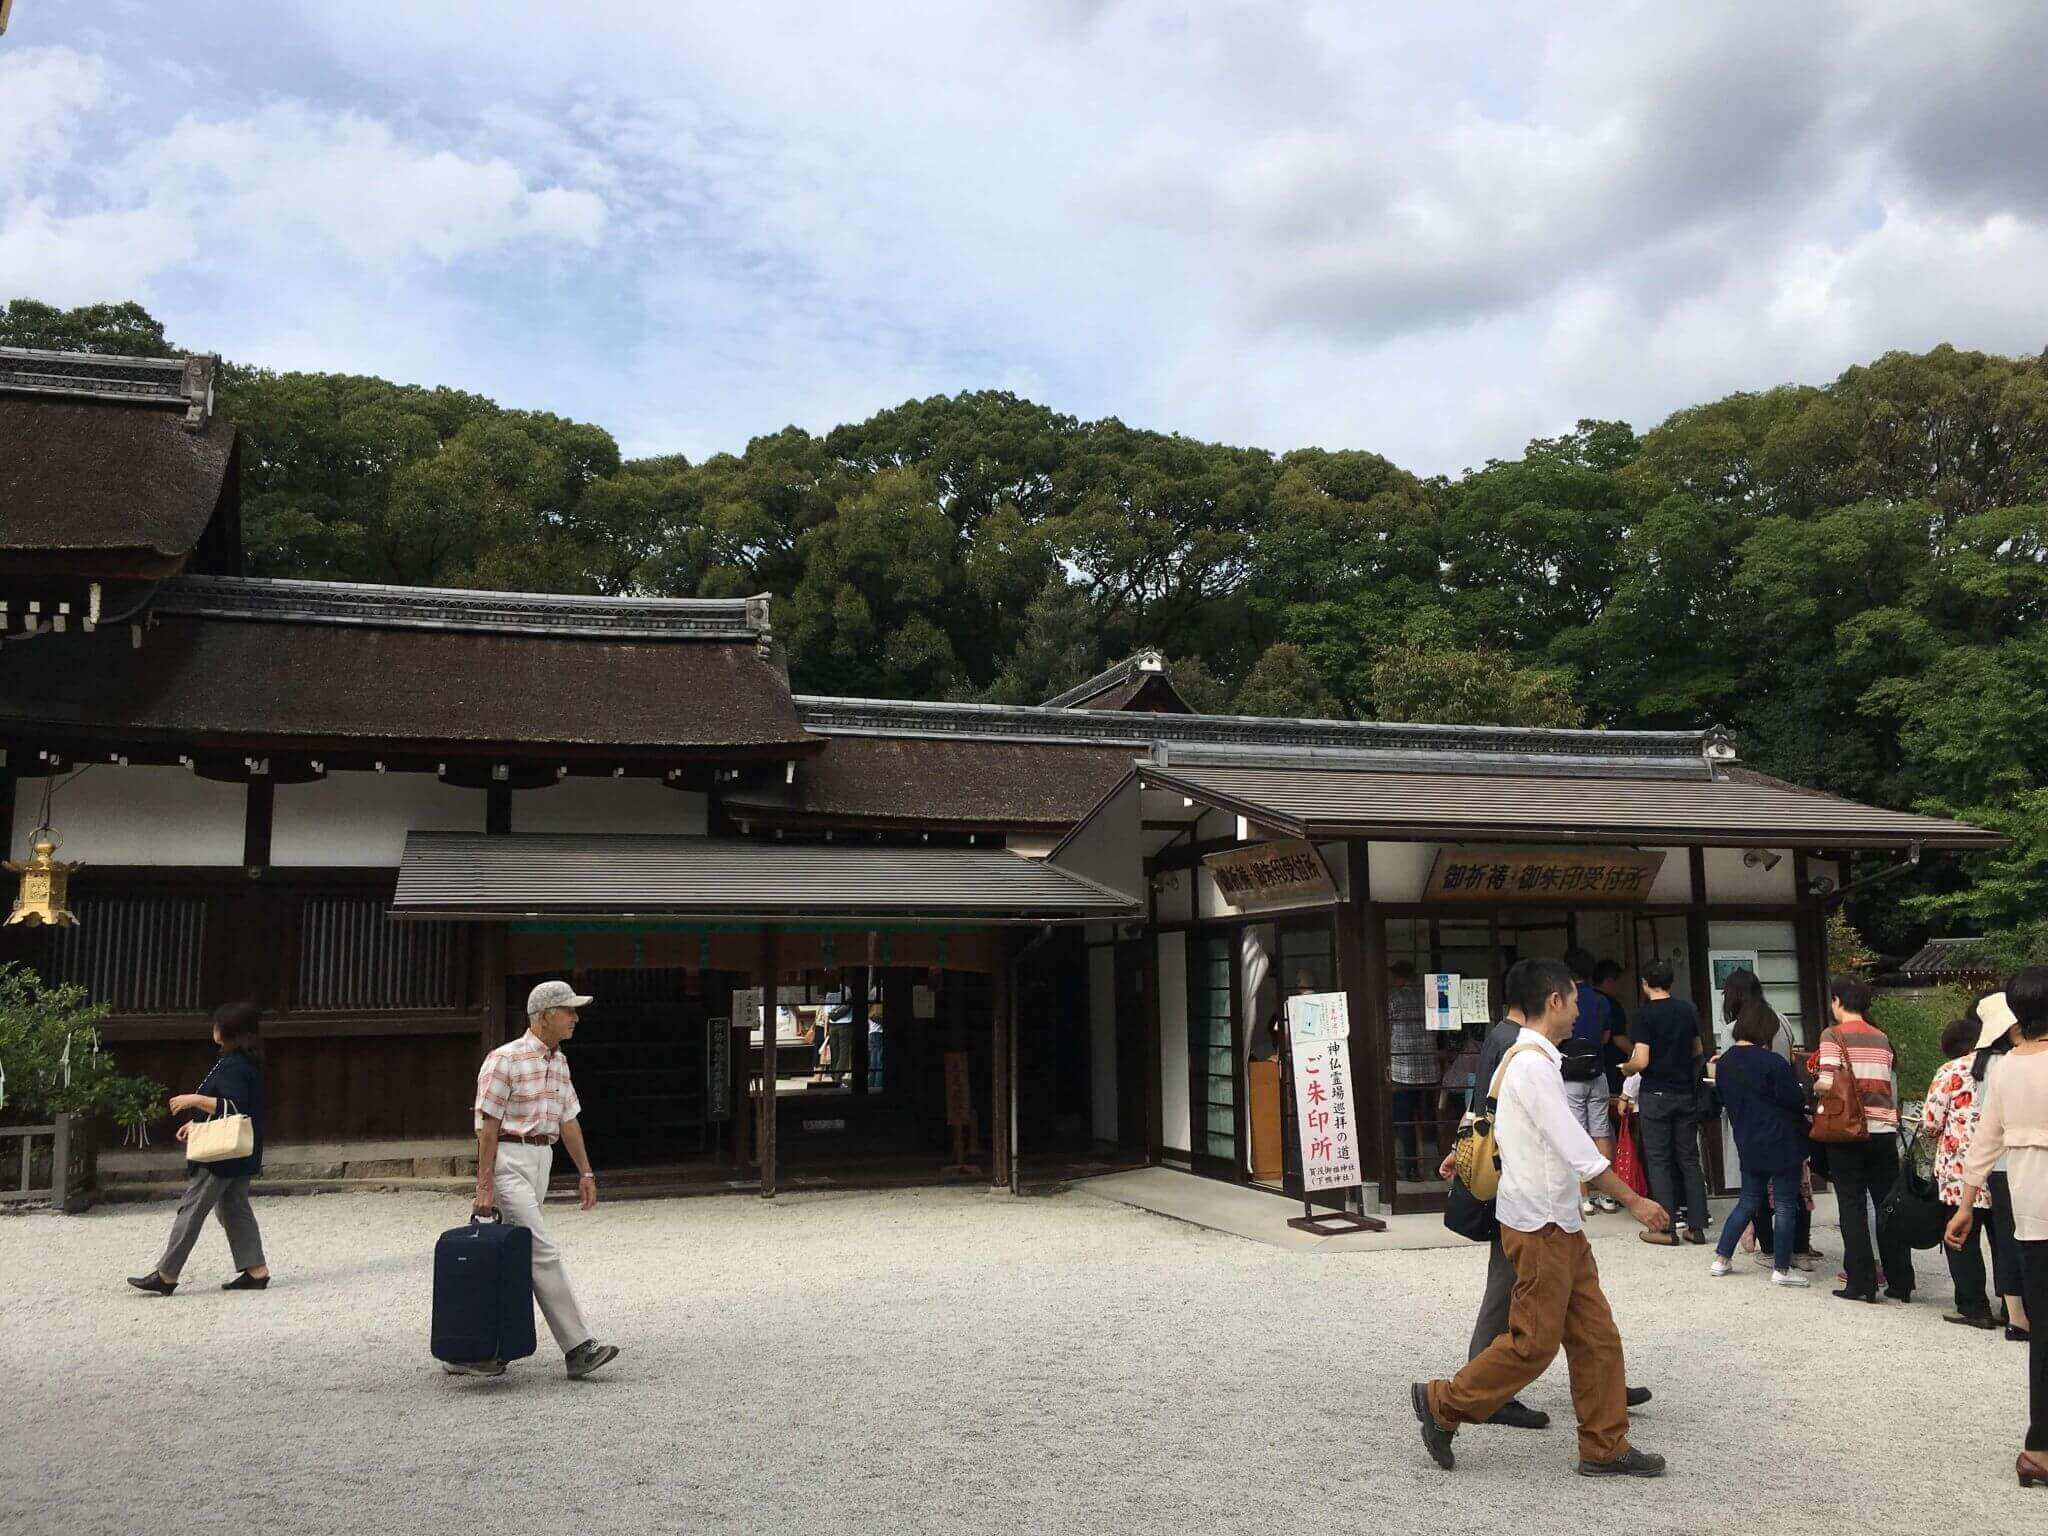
pixel 1255 964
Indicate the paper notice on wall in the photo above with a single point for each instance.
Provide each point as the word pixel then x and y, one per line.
pixel 1313 1017
pixel 1440 1000
pixel 923 1003
pixel 1324 1114
pixel 1472 1001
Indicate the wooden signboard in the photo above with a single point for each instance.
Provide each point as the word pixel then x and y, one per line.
pixel 718 1069
pixel 1551 876
pixel 1290 873
pixel 960 1114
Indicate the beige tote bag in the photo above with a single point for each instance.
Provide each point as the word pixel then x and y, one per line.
pixel 222 1139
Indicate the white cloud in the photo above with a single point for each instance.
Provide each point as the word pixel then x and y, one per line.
pixel 1429 231
pixel 44 90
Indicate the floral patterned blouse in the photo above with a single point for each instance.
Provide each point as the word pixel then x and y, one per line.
pixel 1949 1114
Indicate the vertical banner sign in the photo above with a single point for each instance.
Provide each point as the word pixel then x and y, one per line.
pixel 718 1068
pixel 1318 1031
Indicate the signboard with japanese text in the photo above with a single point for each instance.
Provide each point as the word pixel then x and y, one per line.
pixel 1492 876
pixel 718 1069
pixel 1289 873
pixel 1325 1109
pixel 1473 1004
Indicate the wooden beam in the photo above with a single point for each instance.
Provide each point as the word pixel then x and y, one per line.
pixel 767 968
pixel 259 814
pixel 498 809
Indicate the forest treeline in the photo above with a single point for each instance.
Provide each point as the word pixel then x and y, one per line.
pixel 1851 577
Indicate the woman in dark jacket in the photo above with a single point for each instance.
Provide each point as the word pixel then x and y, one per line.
pixel 1766 1109
pixel 237 1082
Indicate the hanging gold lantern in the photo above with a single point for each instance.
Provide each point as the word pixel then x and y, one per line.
pixel 45 883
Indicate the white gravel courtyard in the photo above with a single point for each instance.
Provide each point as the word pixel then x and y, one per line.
pixel 946 1361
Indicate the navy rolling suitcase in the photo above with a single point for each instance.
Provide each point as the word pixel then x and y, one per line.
pixel 483 1292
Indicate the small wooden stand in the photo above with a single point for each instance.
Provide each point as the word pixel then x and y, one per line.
pixel 1317 1223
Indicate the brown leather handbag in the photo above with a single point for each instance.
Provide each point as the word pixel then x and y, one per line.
pixel 1838 1101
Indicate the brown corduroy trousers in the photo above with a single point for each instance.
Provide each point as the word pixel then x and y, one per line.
pixel 1557 1301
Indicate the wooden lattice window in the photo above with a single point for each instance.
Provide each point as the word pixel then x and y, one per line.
pixel 136 954
pixel 354 956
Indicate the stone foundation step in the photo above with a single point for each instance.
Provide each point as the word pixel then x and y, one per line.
pixel 353 1163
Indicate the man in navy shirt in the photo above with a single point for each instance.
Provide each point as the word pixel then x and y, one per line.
pixel 1585 1069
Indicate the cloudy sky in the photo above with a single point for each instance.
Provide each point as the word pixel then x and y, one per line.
pixel 1430 230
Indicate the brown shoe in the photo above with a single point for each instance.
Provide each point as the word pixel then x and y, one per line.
pixel 2032 1468
pixel 1658 1239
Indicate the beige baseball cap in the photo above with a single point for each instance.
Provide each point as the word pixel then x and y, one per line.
pixel 553 994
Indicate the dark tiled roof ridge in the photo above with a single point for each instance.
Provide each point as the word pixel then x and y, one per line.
pixel 908 717
pixel 461 608
pixel 183 383
pixel 1120 672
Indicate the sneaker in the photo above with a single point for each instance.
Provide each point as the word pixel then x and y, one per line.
pixel 589 1356
pixel 1608 1204
pixel 473 1367
pixel 1589 1206
pixel 1789 1277
pixel 1630 1463
pixel 1720 1267
pixel 1435 1438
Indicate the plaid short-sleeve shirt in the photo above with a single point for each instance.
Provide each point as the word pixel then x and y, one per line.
pixel 525 1087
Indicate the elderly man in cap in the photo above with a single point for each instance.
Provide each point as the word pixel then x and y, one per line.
pixel 524 1104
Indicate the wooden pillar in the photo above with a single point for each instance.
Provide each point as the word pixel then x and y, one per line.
pixel 258 814
pixel 1697 937
pixel 1003 1066
pixel 7 783
pixel 490 980
pixel 854 993
pixel 498 809
pixel 767 971
pixel 1362 973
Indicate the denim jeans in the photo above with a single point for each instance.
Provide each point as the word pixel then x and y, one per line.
pixel 1781 1187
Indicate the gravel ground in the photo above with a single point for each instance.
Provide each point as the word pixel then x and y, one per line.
pixel 945 1361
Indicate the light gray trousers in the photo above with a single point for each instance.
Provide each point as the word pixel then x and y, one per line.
pixel 1500 1295
pixel 205 1193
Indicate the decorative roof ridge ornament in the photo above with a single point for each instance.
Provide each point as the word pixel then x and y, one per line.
pixel 1680 750
pixel 461 608
pixel 185 381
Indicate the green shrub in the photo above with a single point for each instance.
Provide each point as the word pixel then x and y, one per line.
pixel 1915 1021
pixel 50 1053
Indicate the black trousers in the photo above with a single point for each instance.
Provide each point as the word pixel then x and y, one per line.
pixel 1863 1170
pixel 2034 1272
pixel 1966 1268
pixel 1671 1147
pixel 2005 1246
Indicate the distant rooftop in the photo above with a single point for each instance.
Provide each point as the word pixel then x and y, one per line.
pixel 1173 738
pixel 456 608
pixel 1140 681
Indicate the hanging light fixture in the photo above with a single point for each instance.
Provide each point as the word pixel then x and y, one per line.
pixel 45 884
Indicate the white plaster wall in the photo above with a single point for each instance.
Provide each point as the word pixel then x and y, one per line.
pixel 1398 870
pixel 1030 845
pixel 1173 1041
pixel 1109 848
pixel 609 805
pixel 362 818
pixel 1674 880
pixel 1730 880
pixel 1102 1041
pixel 114 815
pixel 1173 892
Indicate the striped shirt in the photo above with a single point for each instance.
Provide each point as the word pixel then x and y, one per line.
pixel 1868 1053
pixel 525 1087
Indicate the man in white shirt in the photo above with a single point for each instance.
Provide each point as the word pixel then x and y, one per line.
pixel 1545 1156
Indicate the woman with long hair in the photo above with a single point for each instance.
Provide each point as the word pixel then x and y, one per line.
pixel 2014 1125
pixel 1743 991
pixel 223 1187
